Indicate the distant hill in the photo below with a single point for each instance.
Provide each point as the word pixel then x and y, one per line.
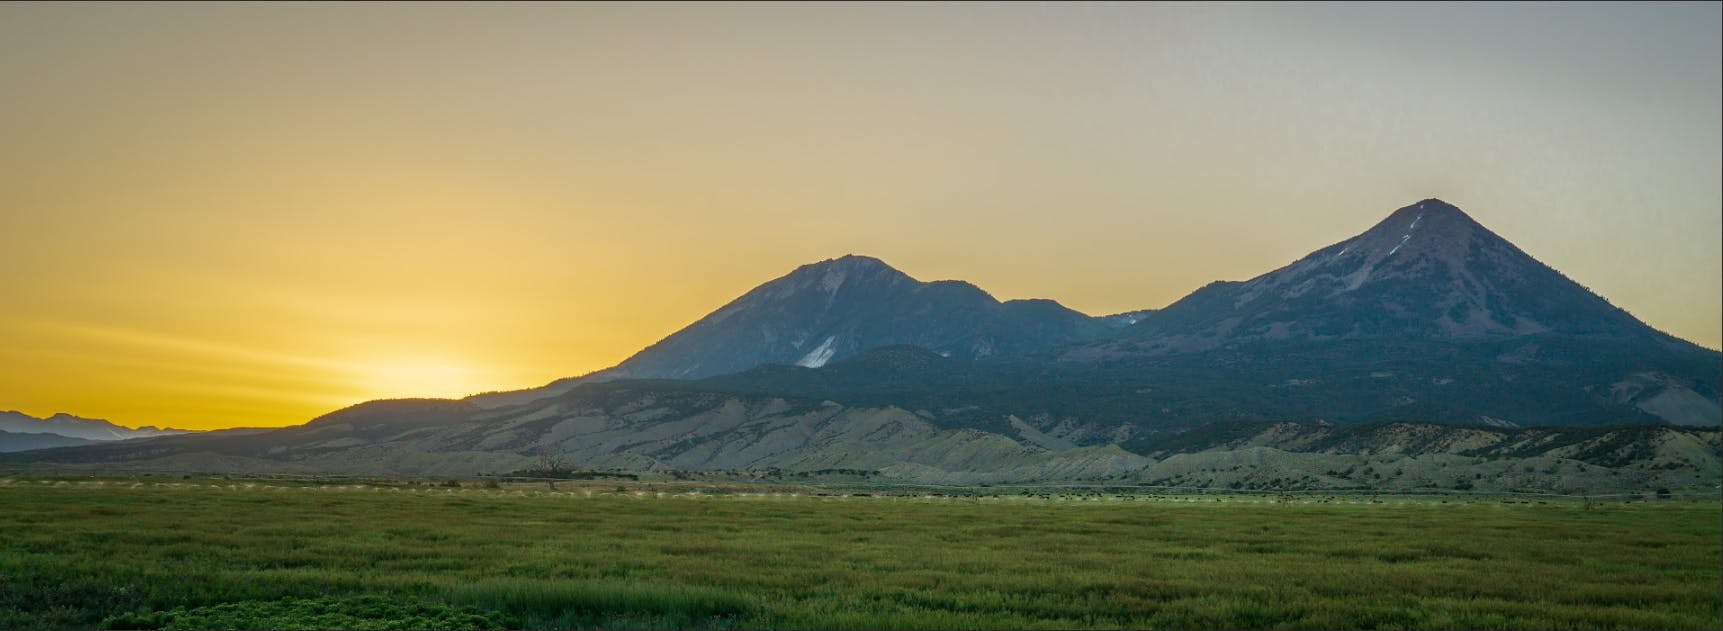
pixel 15 441
pixel 76 427
pixel 666 427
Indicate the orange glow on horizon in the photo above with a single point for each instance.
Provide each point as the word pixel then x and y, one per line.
pixel 252 214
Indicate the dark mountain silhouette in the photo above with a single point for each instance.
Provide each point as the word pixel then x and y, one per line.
pixel 839 307
pixel 1428 331
pixel 833 309
pixel 1426 315
pixel 1426 272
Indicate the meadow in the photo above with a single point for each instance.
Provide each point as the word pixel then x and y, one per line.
pixel 217 553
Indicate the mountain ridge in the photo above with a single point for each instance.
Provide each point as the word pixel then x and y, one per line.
pixel 1426 318
pixel 837 308
pixel 71 426
pixel 1428 270
pixel 20 441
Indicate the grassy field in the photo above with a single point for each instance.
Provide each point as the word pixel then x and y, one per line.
pixel 212 553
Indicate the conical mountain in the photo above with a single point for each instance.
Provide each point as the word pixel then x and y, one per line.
pixel 1428 271
pixel 837 308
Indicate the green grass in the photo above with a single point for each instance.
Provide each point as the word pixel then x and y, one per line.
pixel 364 612
pixel 225 554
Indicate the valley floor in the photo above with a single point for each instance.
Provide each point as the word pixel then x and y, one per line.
pixel 201 553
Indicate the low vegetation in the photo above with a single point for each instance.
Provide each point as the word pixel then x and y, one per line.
pixel 210 553
pixel 363 612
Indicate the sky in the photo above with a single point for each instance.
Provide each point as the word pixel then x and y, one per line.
pixel 229 214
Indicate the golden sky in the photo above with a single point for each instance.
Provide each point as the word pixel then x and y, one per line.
pixel 233 214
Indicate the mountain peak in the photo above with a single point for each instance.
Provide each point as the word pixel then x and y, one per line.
pixel 1426 271
pixel 856 260
pixel 1433 205
pixel 836 308
pixel 1434 211
pixel 1429 228
pixel 832 275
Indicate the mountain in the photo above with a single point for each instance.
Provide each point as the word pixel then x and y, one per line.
pixel 1427 314
pixel 833 309
pixel 76 427
pixel 674 430
pixel 1510 383
pixel 1428 271
pixel 18 441
pixel 627 425
pixel 839 307
pixel 1427 343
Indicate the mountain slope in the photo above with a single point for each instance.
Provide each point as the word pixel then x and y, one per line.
pixel 833 309
pixel 1535 381
pixel 1426 336
pixel 631 425
pixel 1436 457
pixel 671 429
pixel 1428 271
pixel 839 307
pixel 18 441
pixel 1425 298
pixel 1425 316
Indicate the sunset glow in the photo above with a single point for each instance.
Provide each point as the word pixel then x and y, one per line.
pixel 217 215
pixel 422 377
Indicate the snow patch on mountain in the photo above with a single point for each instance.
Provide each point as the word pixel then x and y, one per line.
pixel 819 356
pixel 1403 241
pixel 1128 318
